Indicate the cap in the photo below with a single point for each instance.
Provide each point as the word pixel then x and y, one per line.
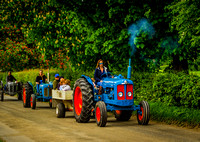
pixel 56 75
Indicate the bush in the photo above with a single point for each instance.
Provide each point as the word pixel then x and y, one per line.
pixel 172 89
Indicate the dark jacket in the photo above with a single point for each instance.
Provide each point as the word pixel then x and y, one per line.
pixel 98 73
pixel 43 78
pixel 10 78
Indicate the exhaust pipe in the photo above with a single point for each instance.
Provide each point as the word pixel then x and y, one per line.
pixel 129 70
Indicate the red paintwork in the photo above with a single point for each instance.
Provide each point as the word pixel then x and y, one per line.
pixel 78 100
pixel 98 114
pixel 24 95
pixel 129 88
pixel 118 111
pixel 120 88
pixel 141 116
pixel 31 101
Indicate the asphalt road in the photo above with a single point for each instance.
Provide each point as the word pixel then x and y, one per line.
pixel 27 125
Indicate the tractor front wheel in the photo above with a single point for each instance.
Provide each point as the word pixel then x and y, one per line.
pixel 50 103
pixel 143 115
pixel 123 115
pixel 60 110
pixel 101 114
pixel 33 101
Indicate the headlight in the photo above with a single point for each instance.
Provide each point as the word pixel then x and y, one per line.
pixel 120 94
pixel 129 94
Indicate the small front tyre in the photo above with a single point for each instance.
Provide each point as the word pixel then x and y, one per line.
pixel 60 110
pixel 101 114
pixel 50 103
pixel 33 101
pixel 143 115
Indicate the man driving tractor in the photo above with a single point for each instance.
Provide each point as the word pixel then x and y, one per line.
pixel 40 79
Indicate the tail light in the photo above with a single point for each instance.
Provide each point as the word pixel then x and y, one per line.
pixel 129 92
pixel 120 92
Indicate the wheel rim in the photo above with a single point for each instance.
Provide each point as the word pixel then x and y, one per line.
pixel 78 100
pixel 50 100
pixel 31 101
pixel 141 116
pixel 118 111
pixel 98 114
pixel 24 95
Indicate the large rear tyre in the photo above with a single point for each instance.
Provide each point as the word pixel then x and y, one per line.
pixel 123 115
pixel 27 91
pixel 60 110
pixel 101 114
pixel 143 115
pixel 82 100
pixel 33 101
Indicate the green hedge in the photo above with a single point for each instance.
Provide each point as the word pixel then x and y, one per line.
pixel 172 89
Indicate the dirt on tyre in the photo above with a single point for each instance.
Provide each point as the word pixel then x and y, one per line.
pixel 60 110
pixel 82 100
pixel 27 91
pixel 101 114
pixel 33 101
pixel 123 115
pixel 143 115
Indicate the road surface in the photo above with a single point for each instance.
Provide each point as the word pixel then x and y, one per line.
pixel 27 125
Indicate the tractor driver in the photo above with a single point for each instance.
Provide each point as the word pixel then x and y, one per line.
pixel 10 78
pixel 100 69
pixel 39 78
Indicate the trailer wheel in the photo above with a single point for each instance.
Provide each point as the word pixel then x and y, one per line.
pixel 123 115
pixel 82 100
pixel 33 101
pixel 101 114
pixel 60 110
pixel 143 115
pixel 27 91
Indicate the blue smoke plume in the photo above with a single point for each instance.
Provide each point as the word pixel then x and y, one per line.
pixel 141 26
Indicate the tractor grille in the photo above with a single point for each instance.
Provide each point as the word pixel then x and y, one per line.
pixel 46 92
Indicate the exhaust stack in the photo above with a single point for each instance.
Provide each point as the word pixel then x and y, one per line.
pixel 129 70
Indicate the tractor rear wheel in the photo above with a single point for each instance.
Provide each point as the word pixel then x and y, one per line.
pixel 101 114
pixel 82 100
pixel 143 115
pixel 123 115
pixel 27 91
pixel 33 101
pixel 2 95
pixel 60 110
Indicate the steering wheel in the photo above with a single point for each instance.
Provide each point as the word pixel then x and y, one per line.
pixel 106 74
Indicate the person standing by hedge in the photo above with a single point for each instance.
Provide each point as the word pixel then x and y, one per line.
pixel 56 81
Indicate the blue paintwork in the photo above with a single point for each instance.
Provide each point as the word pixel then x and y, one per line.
pixel 40 96
pixel 109 95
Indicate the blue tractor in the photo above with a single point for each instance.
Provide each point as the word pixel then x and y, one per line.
pixel 117 97
pixel 42 92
